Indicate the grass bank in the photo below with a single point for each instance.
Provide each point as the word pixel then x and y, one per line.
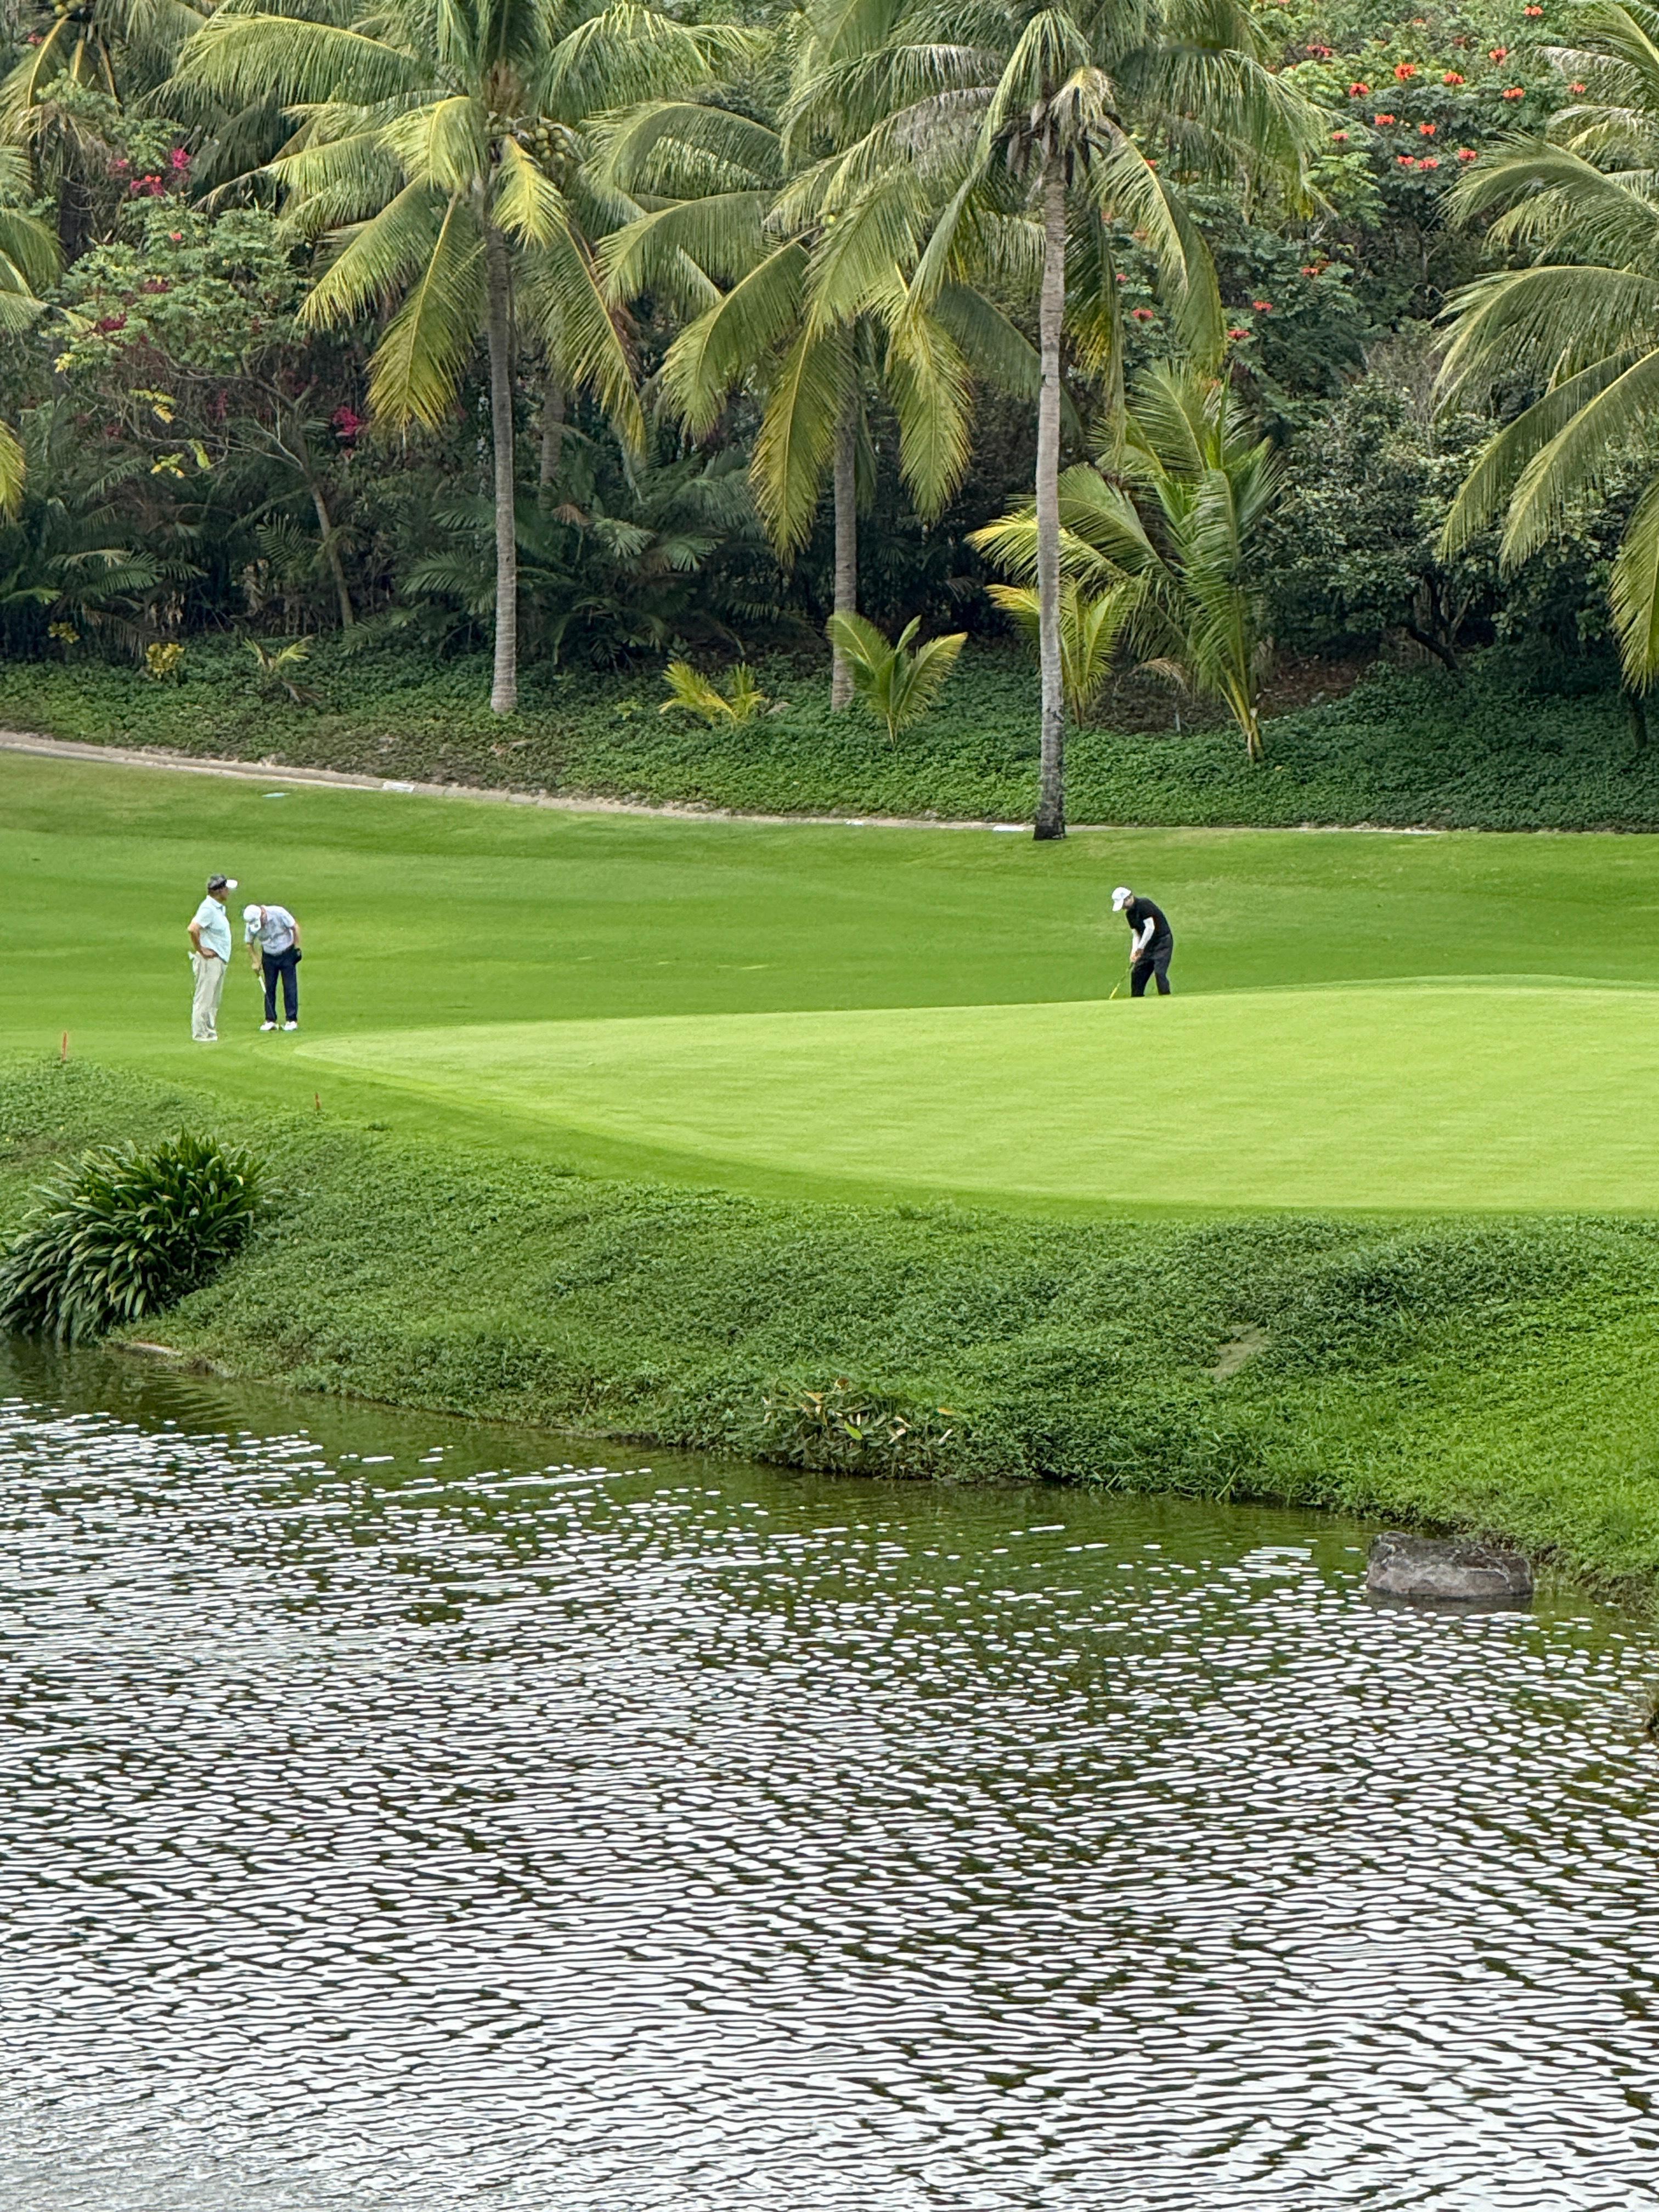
pixel 1402 749
pixel 1493 1374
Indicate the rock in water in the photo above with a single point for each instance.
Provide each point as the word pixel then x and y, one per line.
pixel 1451 1569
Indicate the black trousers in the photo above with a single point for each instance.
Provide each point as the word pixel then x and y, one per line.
pixel 1141 972
pixel 287 965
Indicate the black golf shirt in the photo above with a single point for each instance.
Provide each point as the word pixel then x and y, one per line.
pixel 1138 913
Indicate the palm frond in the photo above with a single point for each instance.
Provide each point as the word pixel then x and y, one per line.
pixel 429 342
pixel 798 434
pixel 1633 593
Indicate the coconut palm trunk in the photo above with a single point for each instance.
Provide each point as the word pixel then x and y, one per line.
pixel 846 540
pixel 504 686
pixel 1051 779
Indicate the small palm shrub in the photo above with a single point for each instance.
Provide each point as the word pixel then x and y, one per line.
pixel 1091 626
pixel 122 1233
pixel 898 686
pixel 697 696
pixel 278 670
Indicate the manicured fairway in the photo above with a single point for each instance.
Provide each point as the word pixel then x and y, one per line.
pixel 1361 1020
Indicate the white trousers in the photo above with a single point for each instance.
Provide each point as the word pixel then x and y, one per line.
pixel 204 1006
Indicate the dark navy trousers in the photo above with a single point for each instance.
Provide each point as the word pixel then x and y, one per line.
pixel 287 965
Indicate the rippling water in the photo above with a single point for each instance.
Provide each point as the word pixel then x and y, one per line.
pixel 390 1819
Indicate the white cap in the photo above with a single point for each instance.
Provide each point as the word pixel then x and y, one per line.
pixel 1121 898
pixel 249 913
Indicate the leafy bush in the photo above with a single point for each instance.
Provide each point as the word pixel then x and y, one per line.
pixel 123 1233
pixel 843 1429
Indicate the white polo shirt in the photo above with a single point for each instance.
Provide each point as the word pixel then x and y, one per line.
pixel 214 923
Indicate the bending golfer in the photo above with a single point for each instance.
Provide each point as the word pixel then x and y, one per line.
pixel 210 956
pixel 272 936
pixel 1152 941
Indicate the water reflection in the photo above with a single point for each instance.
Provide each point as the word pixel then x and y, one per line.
pixel 393 1819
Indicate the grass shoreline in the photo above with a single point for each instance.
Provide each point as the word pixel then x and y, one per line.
pixel 1467 1373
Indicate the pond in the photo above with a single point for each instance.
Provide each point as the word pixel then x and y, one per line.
pixel 396 1815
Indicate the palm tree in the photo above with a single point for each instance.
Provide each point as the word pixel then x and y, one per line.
pixel 746 217
pixel 424 153
pixel 1172 549
pixel 998 105
pixel 1578 324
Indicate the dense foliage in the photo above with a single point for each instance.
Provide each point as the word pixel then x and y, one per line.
pixel 1469 1372
pixel 123 1233
pixel 324 320
pixel 1402 747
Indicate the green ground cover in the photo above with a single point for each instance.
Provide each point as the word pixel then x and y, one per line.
pixel 1402 749
pixel 719 1115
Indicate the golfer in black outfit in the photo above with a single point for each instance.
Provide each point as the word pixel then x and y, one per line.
pixel 1152 941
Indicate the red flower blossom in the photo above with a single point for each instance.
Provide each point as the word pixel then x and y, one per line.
pixel 110 324
pixel 1405 71
pixel 347 422
pixel 1577 87
pixel 176 237
pixel 1498 53
pixel 1315 268
pixel 1262 307
pixel 1141 314
pixel 1238 332
pixel 1121 278
pixel 156 284
pixel 1408 160
pixel 1532 11
pixel 179 158
pixel 1426 130
pixel 1338 137
pixel 1516 92
pixel 1322 53
pixel 1467 153
pixel 1430 161
pixel 1358 91
pixel 1383 121
pixel 1451 77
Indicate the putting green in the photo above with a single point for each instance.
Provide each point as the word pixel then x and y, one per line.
pixel 1481 1094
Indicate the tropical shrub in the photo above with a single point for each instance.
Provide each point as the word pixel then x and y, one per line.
pixel 696 694
pixel 122 1233
pixel 842 1429
pixel 1091 626
pixel 277 669
pixel 896 684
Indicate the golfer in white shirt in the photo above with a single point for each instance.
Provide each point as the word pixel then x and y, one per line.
pixel 272 937
pixel 209 939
